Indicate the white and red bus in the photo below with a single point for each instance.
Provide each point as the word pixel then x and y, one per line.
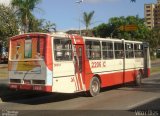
pixel 71 63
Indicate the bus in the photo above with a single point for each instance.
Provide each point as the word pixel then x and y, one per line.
pixel 68 63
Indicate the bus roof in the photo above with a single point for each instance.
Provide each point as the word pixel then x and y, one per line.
pixel 28 34
pixel 110 39
pixel 62 34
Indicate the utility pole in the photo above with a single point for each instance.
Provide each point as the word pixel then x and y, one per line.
pixel 79 2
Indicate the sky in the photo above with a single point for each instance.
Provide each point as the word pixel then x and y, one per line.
pixel 65 13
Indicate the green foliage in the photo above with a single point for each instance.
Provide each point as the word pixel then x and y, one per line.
pixel 87 18
pixel 154 39
pixel 35 25
pixel 49 27
pixel 8 23
pixel 41 25
pixel 24 11
pixel 103 30
pixel 111 28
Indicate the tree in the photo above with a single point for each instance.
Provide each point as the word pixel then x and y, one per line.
pixel 49 27
pixel 8 25
pixel 154 40
pixel 103 30
pixel 112 28
pixel 87 18
pixel 24 11
pixel 35 25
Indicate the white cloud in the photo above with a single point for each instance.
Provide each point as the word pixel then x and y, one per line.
pixel 5 2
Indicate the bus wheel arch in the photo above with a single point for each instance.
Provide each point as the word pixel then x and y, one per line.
pixel 95 85
pixel 98 76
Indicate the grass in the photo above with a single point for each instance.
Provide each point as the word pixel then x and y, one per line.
pixel 155 70
pixel 3 72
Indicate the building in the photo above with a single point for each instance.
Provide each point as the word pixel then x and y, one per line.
pixel 152 15
pixel 149 15
pixel 157 15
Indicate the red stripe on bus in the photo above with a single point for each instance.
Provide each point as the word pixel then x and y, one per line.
pixel 48 53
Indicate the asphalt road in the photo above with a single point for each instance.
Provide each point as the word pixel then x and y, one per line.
pixel 124 100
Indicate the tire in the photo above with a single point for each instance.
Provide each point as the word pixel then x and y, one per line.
pixel 138 80
pixel 94 87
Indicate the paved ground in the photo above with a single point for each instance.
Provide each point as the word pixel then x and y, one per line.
pixel 123 100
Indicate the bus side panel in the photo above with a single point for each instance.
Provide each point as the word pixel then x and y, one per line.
pixel 109 71
pixel 111 79
pixel 64 79
pixel 88 73
pixel 129 75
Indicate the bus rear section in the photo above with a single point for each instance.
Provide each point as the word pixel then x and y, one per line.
pixel 30 65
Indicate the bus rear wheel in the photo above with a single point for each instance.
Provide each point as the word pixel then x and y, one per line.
pixel 94 87
pixel 138 80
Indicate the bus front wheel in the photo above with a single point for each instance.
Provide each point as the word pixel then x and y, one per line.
pixel 94 87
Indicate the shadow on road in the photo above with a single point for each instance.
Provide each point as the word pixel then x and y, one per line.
pixel 149 106
pixel 54 97
pixel 33 97
pixel 148 85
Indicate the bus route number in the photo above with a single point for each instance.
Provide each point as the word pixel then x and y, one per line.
pixel 98 64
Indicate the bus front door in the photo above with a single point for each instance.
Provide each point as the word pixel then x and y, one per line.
pixel 79 66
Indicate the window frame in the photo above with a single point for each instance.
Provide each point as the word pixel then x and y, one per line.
pixel 91 52
pixel 141 55
pixel 66 53
pixel 111 50
pixel 121 51
pixel 28 38
pixel 129 53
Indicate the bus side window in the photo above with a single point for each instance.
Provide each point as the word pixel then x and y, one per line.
pixel 63 49
pixel 118 50
pixel 93 49
pixel 107 50
pixel 129 50
pixel 138 49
